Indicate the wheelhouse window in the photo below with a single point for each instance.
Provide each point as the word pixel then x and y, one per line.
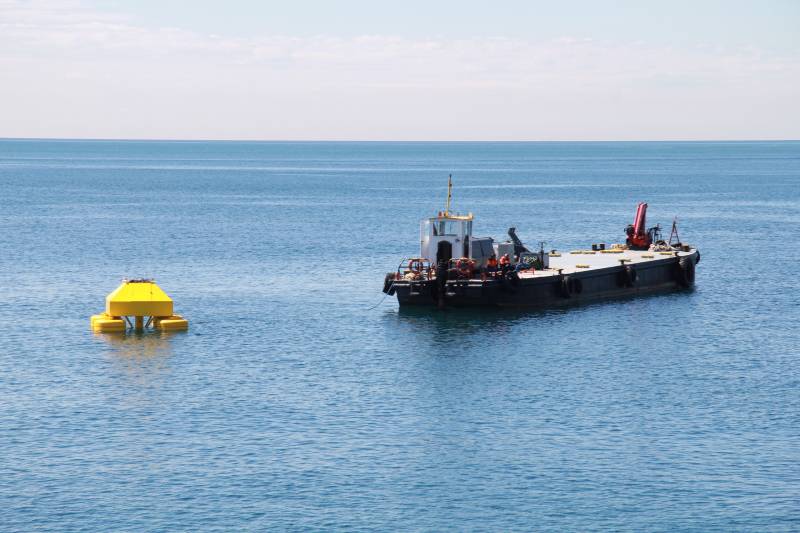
pixel 448 227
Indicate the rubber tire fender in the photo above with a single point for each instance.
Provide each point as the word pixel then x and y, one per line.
pixel 512 277
pixel 388 284
pixel 577 285
pixel 508 281
pixel 565 287
pixel 688 267
pixel 630 276
pixel 684 271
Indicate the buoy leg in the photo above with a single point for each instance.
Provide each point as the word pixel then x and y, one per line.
pixel 139 323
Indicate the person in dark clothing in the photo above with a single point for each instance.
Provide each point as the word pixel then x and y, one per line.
pixel 491 264
pixel 505 263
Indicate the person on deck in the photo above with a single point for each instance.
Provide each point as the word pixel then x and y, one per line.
pixel 505 263
pixel 491 264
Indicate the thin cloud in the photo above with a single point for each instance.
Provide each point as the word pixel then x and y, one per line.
pixel 58 43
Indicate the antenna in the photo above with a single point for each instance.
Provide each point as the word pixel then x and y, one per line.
pixel 449 194
pixel 674 232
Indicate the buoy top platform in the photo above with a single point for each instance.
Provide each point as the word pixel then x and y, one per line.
pixel 138 298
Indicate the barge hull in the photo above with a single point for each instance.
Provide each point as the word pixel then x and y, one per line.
pixel 553 288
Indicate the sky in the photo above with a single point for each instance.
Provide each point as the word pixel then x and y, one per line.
pixel 410 70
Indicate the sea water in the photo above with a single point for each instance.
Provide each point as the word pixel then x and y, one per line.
pixel 301 399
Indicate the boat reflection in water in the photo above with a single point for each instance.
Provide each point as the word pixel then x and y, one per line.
pixel 144 358
pixel 139 345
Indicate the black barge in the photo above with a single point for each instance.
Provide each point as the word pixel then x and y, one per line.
pixel 456 269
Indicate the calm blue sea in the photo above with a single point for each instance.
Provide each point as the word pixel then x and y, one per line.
pixel 291 405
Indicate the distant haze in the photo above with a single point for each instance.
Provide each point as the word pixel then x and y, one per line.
pixel 412 70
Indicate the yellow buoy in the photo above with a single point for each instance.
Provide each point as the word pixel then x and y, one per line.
pixel 106 323
pixel 140 299
pixel 171 323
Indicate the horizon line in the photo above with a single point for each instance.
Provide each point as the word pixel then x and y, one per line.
pixel 465 141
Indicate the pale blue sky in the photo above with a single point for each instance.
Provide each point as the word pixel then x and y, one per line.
pixel 357 69
pixel 772 24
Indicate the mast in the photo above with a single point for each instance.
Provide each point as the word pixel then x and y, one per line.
pixel 449 194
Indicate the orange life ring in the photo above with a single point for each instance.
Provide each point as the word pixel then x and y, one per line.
pixel 464 266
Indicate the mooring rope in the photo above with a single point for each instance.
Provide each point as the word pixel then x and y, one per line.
pixel 382 299
pixel 389 289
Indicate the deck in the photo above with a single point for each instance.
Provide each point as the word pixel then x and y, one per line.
pixel 588 260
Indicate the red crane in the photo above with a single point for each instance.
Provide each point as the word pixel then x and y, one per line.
pixel 638 236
